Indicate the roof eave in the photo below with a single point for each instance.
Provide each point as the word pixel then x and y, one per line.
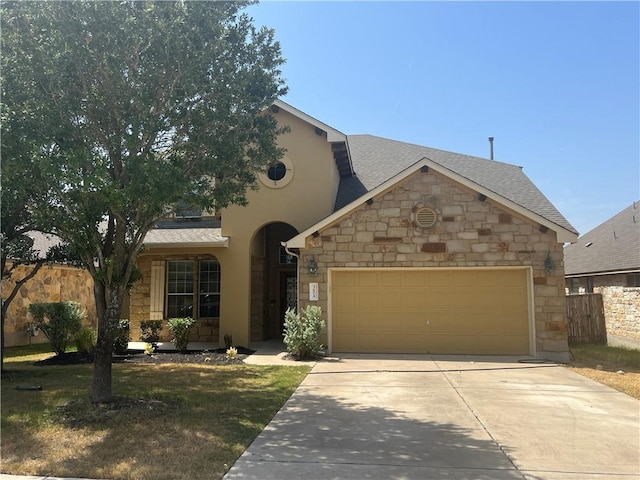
pixel 217 244
pixel 563 235
pixel 603 273
pixel 333 135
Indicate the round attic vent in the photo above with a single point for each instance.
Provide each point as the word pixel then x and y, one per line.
pixel 425 217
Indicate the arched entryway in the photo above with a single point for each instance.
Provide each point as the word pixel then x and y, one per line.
pixel 273 281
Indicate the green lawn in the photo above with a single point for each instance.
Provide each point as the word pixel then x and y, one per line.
pixel 171 421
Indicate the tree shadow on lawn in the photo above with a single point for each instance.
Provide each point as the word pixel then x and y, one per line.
pixel 179 426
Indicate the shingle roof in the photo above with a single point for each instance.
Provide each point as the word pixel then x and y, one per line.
pixel 376 160
pixel 613 246
pixel 185 236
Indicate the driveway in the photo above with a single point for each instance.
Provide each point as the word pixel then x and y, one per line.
pixel 446 417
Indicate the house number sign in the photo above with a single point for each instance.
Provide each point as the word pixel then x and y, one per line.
pixel 313 292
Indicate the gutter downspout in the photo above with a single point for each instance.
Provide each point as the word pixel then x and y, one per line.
pixel 289 252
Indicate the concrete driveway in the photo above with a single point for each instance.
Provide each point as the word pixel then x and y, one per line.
pixel 446 417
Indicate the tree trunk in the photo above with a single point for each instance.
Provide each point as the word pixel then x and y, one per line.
pixel 2 340
pixel 110 299
pixel 6 302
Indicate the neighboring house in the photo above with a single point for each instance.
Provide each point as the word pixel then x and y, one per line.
pixel 606 260
pixel 405 248
pixel 54 282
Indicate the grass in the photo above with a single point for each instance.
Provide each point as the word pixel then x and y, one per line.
pixel 171 421
pixel 602 364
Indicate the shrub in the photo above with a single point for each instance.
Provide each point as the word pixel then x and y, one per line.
pixel 86 339
pixel 123 337
pixel 232 352
pixel 302 332
pixel 180 331
pixel 150 331
pixel 59 321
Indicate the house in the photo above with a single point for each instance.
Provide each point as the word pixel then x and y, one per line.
pixel 54 282
pixel 405 248
pixel 606 260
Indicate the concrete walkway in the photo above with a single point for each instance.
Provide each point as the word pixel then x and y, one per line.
pixel 419 417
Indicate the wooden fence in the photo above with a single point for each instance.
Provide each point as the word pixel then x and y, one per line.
pixel 585 319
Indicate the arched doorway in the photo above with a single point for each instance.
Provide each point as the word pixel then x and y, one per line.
pixel 273 281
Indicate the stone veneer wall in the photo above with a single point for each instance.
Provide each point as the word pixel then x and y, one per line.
pixel 204 330
pixel 621 305
pixel 468 233
pixel 53 283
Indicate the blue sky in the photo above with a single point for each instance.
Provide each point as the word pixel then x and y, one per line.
pixel 556 83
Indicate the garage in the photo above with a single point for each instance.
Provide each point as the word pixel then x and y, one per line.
pixel 430 310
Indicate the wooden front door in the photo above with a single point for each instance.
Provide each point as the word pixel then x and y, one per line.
pixel 288 295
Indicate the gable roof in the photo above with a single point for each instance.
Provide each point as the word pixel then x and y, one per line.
pixel 563 234
pixel 376 159
pixel 613 246
pixel 379 163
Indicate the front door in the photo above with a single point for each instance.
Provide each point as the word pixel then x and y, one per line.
pixel 288 295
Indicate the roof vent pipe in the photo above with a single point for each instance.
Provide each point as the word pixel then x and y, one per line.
pixel 491 148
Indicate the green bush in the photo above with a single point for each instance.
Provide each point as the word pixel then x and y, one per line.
pixel 150 331
pixel 59 321
pixel 122 338
pixel 180 331
pixel 86 340
pixel 302 332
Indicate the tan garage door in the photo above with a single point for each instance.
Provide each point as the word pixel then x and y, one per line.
pixel 457 311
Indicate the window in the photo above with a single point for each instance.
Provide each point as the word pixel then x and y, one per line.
pixel 209 289
pixel 193 288
pixel 185 210
pixel 633 280
pixel 277 171
pixel 278 174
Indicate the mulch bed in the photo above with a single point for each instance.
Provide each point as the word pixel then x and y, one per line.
pixel 207 357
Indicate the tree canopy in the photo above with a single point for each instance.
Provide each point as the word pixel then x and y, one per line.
pixel 128 108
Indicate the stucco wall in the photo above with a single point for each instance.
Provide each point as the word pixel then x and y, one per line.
pixel 468 233
pixel 53 283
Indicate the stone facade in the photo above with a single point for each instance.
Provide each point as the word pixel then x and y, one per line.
pixel 204 330
pixel 621 303
pixel 621 310
pixel 53 283
pixel 469 232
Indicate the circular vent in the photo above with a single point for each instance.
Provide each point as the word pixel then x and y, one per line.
pixel 425 217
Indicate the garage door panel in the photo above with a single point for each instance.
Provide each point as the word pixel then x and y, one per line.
pixel 367 299
pixel 413 279
pixel 343 299
pixel 366 279
pixel 392 278
pixel 430 311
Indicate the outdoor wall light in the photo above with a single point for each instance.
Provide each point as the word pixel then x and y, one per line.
pixel 313 267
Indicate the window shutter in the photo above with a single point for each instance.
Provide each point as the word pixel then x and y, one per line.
pixel 156 292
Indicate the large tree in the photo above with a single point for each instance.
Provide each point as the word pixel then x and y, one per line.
pixel 148 104
pixel 22 188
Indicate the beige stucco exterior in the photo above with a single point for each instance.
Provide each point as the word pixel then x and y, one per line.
pixel 308 197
